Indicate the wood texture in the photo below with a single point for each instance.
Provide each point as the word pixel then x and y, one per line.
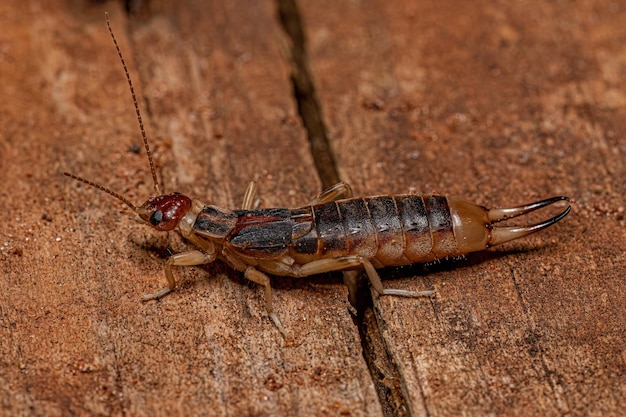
pixel 216 99
pixel 501 104
pixel 498 103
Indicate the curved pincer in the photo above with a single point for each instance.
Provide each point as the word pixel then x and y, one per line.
pixel 475 229
pixel 501 234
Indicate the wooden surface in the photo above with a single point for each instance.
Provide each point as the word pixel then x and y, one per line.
pixel 498 103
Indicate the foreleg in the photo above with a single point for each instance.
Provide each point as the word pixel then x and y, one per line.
pixel 190 258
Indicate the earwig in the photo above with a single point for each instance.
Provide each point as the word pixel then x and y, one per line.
pixel 334 232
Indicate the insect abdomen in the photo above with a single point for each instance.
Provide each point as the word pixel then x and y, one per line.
pixel 390 230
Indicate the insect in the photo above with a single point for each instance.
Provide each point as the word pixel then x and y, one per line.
pixel 335 232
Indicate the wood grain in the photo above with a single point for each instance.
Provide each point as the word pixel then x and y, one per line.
pixel 498 103
pixel 501 104
pixel 218 109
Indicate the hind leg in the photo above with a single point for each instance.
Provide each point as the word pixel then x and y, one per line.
pixel 336 192
pixel 352 262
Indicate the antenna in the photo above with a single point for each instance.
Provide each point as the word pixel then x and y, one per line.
pixel 102 188
pixel 157 188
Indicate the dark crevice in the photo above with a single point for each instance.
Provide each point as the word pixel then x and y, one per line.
pixel 383 369
pixel 384 372
pixel 309 106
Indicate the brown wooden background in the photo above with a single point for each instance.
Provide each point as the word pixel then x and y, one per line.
pixel 499 102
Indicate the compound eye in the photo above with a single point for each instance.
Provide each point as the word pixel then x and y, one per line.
pixel 156 218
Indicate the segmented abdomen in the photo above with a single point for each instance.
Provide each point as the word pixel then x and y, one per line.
pixel 389 230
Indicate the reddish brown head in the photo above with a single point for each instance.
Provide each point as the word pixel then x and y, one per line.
pixel 162 213
pixel 165 211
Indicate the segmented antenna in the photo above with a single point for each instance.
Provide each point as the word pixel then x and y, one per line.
pixel 101 188
pixel 157 188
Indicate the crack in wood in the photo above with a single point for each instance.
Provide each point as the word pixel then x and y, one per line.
pixel 384 372
pixel 308 103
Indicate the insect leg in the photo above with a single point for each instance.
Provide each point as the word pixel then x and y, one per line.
pixel 336 192
pixel 248 197
pixel 351 262
pixel 260 278
pixel 190 258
